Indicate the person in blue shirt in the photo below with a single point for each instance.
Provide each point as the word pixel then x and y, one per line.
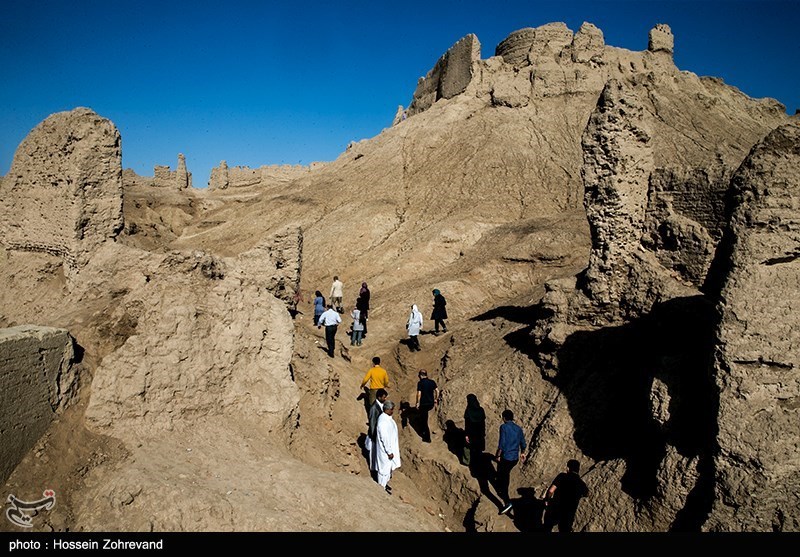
pixel 319 306
pixel 509 452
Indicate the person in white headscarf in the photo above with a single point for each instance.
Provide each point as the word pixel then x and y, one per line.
pixel 414 325
pixel 387 446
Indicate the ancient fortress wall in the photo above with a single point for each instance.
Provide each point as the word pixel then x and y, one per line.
pixel 35 381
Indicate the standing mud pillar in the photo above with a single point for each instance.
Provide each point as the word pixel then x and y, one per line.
pixel 618 161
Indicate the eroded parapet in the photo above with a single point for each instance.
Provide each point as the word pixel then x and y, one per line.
pixel 757 354
pixel 63 194
pixel 661 39
pixel 449 77
pixel 36 382
pixel 524 47
pixel 588 44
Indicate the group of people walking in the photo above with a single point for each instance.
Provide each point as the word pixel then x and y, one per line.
pixel 414 322
pixel 382 439
pixel 328 315
pixel 382 443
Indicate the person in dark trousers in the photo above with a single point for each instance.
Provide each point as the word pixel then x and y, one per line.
pixel 330 320
pixel 362 305
pixel 319 306
pixel 475 430
pixel 439 313
pixel 427 398
pixel 414 327
pixel 357 328
pixel 561 500
pixel 509 452
pixel 373 414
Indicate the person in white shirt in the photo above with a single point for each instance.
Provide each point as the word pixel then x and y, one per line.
pixel 330 320
pixel 337 294
pixel 414 325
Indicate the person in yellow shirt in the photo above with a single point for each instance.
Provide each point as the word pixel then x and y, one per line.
pixel 377 378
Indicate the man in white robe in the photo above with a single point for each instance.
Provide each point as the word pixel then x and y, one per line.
pixel 387 446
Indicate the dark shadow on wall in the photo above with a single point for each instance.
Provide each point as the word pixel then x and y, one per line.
pixel 607 376
pixel 528 511
pixel 519 339
pixel 526 315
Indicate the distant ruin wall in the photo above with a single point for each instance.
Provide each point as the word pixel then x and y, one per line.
pixel 36 380
pixel 163 177
pixel 63 194
pixel 224 176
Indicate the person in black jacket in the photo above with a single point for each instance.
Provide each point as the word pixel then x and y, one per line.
pixel 561 500
pixel 439 313
pixel 362 305
pixel 475 431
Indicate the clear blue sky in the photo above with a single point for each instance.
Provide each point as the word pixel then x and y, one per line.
pixel 285 82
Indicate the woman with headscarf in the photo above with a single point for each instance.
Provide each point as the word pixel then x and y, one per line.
pixel 362 304
pixel 414 325
pixel 475 431
pixel 357 328
pixel 319 306
pixel 439 313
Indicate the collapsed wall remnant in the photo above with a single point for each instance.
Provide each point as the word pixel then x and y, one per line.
pixel 225 338
pixel 36 381
pixel 757 356
pixel 275 264
pixel 685 218
pixel 63 194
